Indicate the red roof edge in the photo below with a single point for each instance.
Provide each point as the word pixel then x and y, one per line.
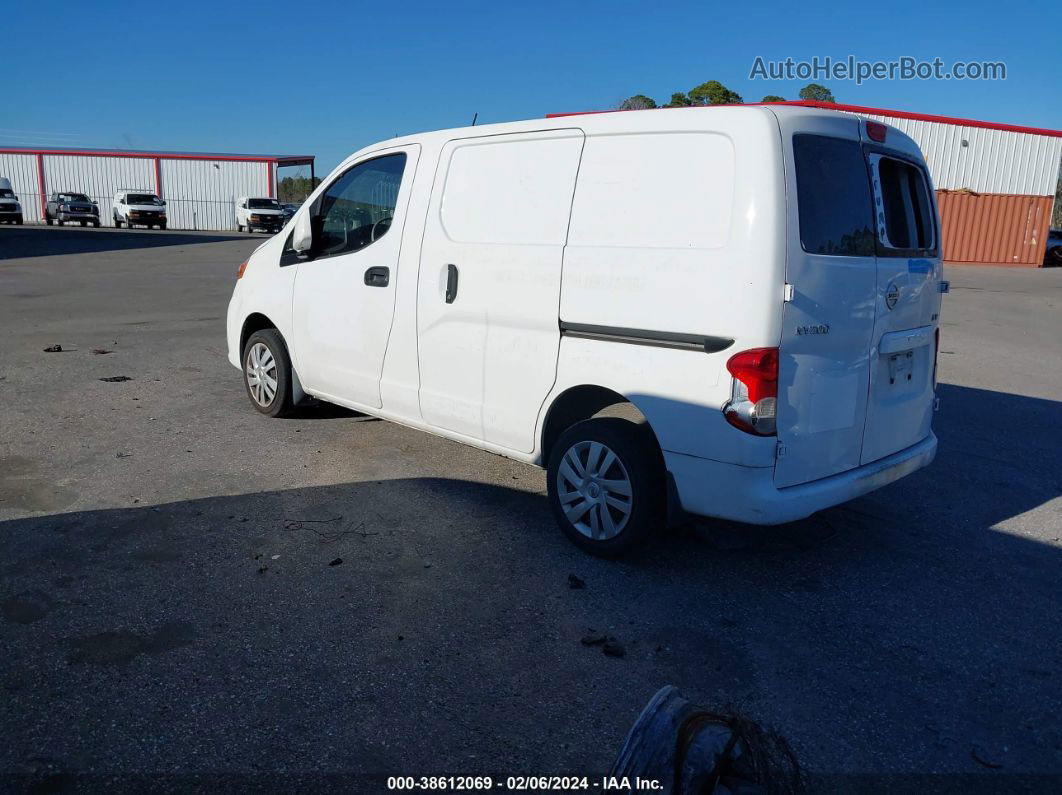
pixel 898 114
pixel 282 159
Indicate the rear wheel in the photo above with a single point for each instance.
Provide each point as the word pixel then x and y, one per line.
pixel 162 226
pixel 605 481
pixel 96 224
pixel 267 373
pixel 47 220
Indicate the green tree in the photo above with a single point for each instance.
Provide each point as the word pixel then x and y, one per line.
pixel 773 98
pixel 816 92
pixel 295 189
pixel 637 102
pixel 713 93
pixel 679 100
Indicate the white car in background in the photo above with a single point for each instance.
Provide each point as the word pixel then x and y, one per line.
pixel 726 311
pixel 138 208
pixel 259 212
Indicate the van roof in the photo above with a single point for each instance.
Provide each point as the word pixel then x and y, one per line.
pixel 601 122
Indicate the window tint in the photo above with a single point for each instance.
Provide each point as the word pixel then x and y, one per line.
pixel 907 215
pixel 357 208
pixel 263 204
pixel 833 191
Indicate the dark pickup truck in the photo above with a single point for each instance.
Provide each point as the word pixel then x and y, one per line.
pixel 63 207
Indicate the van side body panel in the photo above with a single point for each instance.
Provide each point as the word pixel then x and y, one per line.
pixel 677 228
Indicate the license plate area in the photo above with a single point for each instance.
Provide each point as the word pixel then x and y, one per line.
pixel 901 368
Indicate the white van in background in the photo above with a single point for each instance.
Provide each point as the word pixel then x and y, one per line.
pixel 10 206
pixel 259 212
pixel 725 311
pixel 138 208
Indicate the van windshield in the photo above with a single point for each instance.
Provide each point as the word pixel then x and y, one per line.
pixel 263 204
pixel 142 198
pixel 73 197
pixel 833 191
pixel 6 193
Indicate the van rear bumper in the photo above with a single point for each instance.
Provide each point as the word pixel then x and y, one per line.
pixel 748 494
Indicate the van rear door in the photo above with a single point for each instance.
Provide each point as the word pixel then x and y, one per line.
pixel 903 349
pixel 828 324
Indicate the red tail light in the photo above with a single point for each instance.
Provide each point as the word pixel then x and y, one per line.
pixel 754 396
pixel 876 131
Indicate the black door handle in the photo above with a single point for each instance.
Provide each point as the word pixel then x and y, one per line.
pixel 377 277
pixel 451 283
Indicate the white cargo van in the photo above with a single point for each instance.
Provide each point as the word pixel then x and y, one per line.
pixel 726 311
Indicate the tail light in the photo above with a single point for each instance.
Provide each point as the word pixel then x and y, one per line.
pixel 876 131
pixel 241 269
pixel 754 395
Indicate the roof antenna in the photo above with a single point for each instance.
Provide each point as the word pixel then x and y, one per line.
pixel 474 117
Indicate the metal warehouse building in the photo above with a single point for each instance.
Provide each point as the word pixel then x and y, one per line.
pixel 200 189
pixel 995 182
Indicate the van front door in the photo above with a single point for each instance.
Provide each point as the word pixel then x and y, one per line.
pixel 489 285
pixel 344 295
pixel 824 366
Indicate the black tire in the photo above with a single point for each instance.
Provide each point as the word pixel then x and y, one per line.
pixel 117 223
pixel 637 454
pixel 1054 257
pixel 281 402
pixel 18 221
pixel 239 227
pixel 84 223
pixel 48 220
pixel 95 224
pixel 162 227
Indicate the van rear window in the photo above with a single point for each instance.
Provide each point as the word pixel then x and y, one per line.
pixel 833 193
pixel 908 213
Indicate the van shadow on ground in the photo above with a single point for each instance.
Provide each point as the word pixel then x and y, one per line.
pixel 426 625
pixel 18 242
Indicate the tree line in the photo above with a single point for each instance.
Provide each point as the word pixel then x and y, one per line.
pixel 715 93
pixel 294 190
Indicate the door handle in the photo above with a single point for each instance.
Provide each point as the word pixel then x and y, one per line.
pixel 451 283
pixel 377 277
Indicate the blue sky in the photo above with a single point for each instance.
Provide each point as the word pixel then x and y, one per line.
pixel 327 78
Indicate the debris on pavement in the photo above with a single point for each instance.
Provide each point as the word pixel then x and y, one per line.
pixel 54 349
pixel 613 648
pixel 117 379
pixel 100 351
pixel 575 583
pixel 336 562
pixel 981 759
pixel 594 639
pixel 123 455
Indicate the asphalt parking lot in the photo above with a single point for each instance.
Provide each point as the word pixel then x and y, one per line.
pixel 191 591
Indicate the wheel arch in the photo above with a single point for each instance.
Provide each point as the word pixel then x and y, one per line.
pixel 583 402
pixel 257 321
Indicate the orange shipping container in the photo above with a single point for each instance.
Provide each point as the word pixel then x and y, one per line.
pixel 994 228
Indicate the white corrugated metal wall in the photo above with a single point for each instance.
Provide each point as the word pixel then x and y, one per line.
pixel 22 171
pixel 98 177
pixel 993 161
pixel 201 194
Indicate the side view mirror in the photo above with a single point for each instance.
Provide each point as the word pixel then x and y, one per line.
pixel 163 201
pixel 302 237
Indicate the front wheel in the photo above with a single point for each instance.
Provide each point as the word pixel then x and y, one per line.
pixel 267 373
pixel 605 481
